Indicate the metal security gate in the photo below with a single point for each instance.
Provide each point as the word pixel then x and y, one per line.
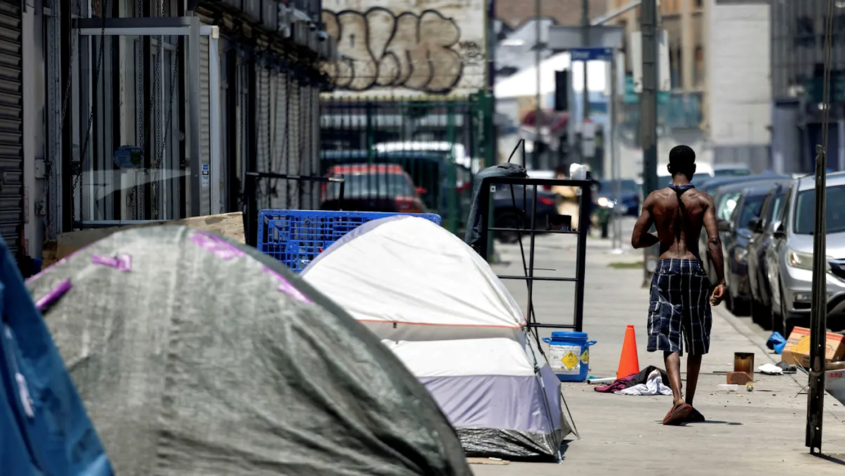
pixel 438 144
pixel 11 126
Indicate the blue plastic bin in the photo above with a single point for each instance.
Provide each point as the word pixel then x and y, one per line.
pixel 295 237
pixel 569 355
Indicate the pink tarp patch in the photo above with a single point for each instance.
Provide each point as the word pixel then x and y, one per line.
pixel 220 247
pixel 287 287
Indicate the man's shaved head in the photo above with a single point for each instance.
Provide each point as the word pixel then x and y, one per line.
pixel 682 161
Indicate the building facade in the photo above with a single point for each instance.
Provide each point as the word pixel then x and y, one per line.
pixel 797 71
pixel 156 110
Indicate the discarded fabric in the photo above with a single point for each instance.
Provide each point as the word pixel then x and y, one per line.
pixel 634 379
pixel 653 386
pixel 770 369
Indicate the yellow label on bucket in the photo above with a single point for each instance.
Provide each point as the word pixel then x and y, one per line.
pixel 585 357
pixel 570 360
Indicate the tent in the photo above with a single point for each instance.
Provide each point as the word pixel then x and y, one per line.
pixel 443 311
pixel 198 356
pixel 44 428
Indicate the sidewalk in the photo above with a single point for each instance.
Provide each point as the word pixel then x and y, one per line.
pixel 747 433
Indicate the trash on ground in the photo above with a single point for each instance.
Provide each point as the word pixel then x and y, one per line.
pixel 787 368
pixel 835 383
pixel 653 386
pixel 770 369
pixel 638 378
pixel 598 380
pixel 724 387
pixel 776 342
pixel 797 349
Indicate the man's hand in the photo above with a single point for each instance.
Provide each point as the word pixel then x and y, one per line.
pixel 718 295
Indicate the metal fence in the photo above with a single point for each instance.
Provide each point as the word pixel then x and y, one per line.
pixel 414 155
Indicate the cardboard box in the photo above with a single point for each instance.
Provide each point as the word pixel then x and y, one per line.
pixel 797 349
pixel 229 225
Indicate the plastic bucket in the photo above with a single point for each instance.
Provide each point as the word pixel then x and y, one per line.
pixel 569 355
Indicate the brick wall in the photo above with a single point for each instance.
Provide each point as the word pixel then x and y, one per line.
pixel 565 12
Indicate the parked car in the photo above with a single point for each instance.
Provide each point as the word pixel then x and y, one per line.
pixel 731 170
pixel 790 257
pixel 761 239
pixel 629 201
pixel 509 204
pixel 737 235
pixel 373 188
pixel 724 207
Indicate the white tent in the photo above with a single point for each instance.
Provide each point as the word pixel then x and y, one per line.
pixel 446 315
pixel 409 279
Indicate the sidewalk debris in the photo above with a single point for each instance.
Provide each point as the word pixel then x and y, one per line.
pixel 653 386
pixel 770 369
pixel 776 342
pixel 729 388
pixel 634 379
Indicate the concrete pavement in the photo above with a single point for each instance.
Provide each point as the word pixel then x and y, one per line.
pixel 747 433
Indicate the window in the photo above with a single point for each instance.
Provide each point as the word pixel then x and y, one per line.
pixel 726 205
pixel 774 208
pixel 834 212
pixel 751 207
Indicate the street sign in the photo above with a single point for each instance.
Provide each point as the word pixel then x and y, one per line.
pixel 591 54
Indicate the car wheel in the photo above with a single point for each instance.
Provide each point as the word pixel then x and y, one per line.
pixel 760 315
pixel 741 307
pixel 507 220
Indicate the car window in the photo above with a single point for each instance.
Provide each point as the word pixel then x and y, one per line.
pixel 776 201
pixel 726 205
pixel 750 209
pixel 834 211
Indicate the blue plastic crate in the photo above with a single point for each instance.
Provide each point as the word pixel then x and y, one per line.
pixel 295 237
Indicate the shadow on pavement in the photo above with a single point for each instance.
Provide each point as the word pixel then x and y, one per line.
pixel 832 458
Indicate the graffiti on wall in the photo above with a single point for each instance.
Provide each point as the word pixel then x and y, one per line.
pixel 422 51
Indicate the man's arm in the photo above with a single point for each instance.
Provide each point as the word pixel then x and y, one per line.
pixel 714 246
pixel 641 238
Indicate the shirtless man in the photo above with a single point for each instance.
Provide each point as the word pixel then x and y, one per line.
pixel 679 306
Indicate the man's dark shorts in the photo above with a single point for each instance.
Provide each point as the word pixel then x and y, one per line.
pixel 680 308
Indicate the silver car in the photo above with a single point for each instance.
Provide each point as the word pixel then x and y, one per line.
pixel 789 259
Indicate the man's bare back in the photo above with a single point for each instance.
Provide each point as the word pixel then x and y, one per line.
pixel 678 229
pixel 679 215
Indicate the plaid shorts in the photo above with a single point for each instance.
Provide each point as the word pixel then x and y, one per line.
pixel 680 306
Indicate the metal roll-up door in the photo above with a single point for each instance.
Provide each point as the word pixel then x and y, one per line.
pixel 205 126
pixel 280 140
pixel 295 119
pixel 262 106
pixel 11 126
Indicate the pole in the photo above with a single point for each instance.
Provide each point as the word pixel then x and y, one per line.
pixel 818 310
pixel 648 112
pixel 614 157
pixel 585 39
pixel 538 112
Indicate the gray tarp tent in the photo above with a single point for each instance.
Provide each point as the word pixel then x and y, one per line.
pixel 196 356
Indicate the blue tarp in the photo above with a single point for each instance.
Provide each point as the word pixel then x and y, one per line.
pixel 44 429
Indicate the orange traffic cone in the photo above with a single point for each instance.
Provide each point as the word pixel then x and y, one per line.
pixel 629 363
